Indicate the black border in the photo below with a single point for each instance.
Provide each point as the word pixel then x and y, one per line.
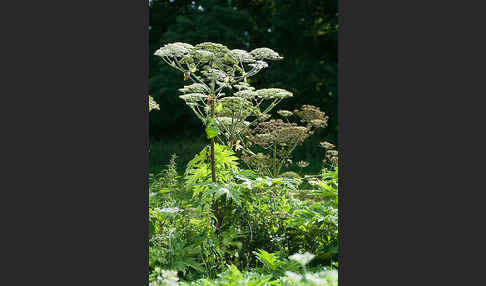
pixel 74 143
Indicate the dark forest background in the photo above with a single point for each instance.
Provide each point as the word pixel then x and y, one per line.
pixel 304 32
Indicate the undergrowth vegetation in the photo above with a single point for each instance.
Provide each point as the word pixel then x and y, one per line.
pixel 237 215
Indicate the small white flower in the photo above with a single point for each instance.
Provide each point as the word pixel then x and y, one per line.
pixel 332 277
pixel 303 259
pixel 170 277
pixel 316 280
pixel 293 276
pixel 313 183
pixel 168 211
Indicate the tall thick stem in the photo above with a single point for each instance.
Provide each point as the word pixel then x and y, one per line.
pixel 275 160
pixel 212 98
pixel 211 106
pixel 213 171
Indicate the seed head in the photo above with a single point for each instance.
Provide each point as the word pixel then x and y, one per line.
pixel 327 145
pixel 312 115
pixel 284 113
pixel 302 164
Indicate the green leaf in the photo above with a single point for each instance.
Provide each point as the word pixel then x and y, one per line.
pixel 212 129
pixel 164 190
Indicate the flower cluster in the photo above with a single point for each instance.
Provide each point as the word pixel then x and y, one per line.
pixel 302 258
pixel 194 88
pixel 302 164
pixel 276 131
pixel 244 86
pixel 281 138
pixel 237 107
pixel 166 278
pixel 246 93
pixel 312 115
pixel 326 145
pixel 271 93
pixel 331 154
pixel 258 161
pixel 285 113
pixel 217 74
pixel 265 54
pixel 152 104
pixel 193 97
pixel 168 211
pixel 226 123
pixel 322 278
pixel 243 56
pixel 174 50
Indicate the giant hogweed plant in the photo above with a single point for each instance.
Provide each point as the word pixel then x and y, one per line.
pixel 213 70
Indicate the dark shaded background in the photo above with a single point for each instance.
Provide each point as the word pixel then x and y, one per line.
pixel 304 32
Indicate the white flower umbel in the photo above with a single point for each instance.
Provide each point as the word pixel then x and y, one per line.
pixel 265 54
pixel 194 88
pixel 243 56
pixel 270 93
pixel 193 97
pixel 174 50
pixel 247 93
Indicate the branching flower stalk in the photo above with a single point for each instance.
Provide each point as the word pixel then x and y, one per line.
pixel 281 138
